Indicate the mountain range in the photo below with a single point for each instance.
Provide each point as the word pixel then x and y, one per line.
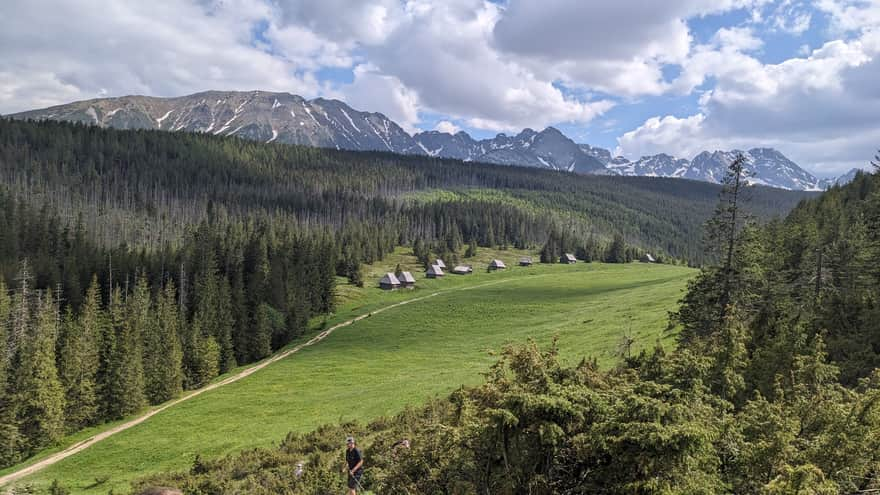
pixel 287 118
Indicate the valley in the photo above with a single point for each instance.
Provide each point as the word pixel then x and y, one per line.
pixel 391 360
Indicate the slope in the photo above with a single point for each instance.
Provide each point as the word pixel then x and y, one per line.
pixel 384 362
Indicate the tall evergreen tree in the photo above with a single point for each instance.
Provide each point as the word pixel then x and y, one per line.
pixel 39 400
pixel 78 361
pixel 9 436
pixel 724 227
pixel 128 319
pixel 163 357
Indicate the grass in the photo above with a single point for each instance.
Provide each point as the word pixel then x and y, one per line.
pixel 400 357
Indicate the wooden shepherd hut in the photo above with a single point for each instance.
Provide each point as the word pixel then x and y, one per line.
pixel 440 263
pixel 406 280
pixel 462 270
pixel 647 258
pixel 525 261
pixel 434 272
pixel 389 282
pixel 568 259
pixel 497 265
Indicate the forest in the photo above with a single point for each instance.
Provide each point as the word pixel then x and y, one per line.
pixel 138 264
pixel 773 388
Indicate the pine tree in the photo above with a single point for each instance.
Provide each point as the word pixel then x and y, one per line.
pixel 126 377
pixel 9 436
pixel 78 361
pixel 204 356
pixel 617 250
pixel 106 352
pixel 163 357
pixel 39 402
pixel 723 230
pixel 261 343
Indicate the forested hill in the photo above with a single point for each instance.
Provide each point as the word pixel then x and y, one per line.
pixel 144 188
pixel 774 389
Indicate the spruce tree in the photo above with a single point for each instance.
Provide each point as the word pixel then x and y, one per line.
pixel 9 437
pixel 261 343
pixel 78 361
pixel 163 357
pixel 126 380
pixel 39 400
pixel 204 356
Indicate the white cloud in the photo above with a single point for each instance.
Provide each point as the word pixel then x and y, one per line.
pixel 442 52
pixel 820 110
pixel 617 47
pixel 372 90
pixel 54 52
pixel 447 127
pixel 741 39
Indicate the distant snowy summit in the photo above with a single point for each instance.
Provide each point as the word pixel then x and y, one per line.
pixel 285 118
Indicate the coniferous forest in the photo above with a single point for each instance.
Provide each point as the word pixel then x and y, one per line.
pixel 137 264
pixel 773 387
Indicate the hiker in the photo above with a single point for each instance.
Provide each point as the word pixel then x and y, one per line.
pixel 354 465
pixel 299 470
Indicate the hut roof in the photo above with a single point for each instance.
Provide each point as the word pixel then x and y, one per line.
pixel 389 279
pixel 525 259
pixel 497 264
pixel 647 258
pixel 440 263
pixel 435 270
pixel 462 269
pixel 569 257
pixel 406 277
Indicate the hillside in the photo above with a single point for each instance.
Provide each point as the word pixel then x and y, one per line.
pixel 144 188
pixel 398 358
pixel 774 392
pixel 285 118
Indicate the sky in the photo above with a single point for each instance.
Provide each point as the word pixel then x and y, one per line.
pixel 638 77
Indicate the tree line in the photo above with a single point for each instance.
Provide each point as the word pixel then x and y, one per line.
pixel 144 188
pixel 93 334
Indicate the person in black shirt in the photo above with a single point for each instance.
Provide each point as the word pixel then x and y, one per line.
pixel 354 465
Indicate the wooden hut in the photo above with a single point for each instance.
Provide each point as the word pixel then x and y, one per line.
pixel 497 265
pixel 462 270
pixel 434 272
pixel 568 259
pixel 440 263
pixel 389 282
pixel 406 280
pixel 525 261
pixel 647 258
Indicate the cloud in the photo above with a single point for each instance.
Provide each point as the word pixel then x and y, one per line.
pixel 617 47
pixel 373 90
pixel 54 52
pixel 442 52
pixel 820 109
pixel 447 127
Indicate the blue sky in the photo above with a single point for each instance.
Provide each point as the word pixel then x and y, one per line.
pixel 637 77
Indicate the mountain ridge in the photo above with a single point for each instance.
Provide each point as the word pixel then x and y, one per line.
pixel 288 118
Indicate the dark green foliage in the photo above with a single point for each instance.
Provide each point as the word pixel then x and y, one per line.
pixel 39 400
pixel 163 357
pixel 124 392
pixel 78 361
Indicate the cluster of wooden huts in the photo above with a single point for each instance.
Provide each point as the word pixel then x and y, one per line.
pixel 437 269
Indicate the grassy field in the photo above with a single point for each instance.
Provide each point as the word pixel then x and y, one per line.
pixel 399 357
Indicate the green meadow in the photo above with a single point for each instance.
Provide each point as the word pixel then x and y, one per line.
pixel 392 359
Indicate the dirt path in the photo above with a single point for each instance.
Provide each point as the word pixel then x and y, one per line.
pixel 78 447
